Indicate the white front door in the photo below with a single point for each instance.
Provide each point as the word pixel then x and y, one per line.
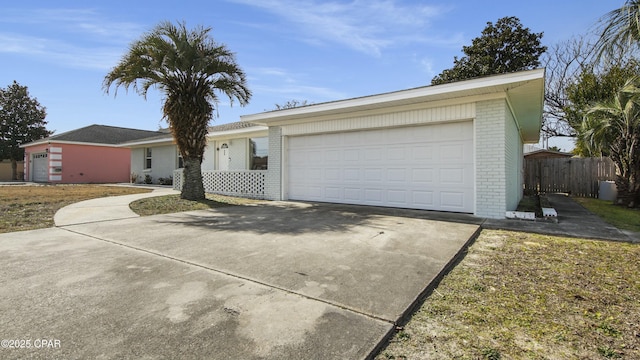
pixel 223 157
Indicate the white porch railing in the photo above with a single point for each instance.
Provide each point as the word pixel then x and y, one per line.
pixel 242 183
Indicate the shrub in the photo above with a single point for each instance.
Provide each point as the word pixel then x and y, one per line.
pixel 165 181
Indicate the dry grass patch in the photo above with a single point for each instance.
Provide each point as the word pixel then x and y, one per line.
pixel 173 203
pixel 527 296
pixel 33 207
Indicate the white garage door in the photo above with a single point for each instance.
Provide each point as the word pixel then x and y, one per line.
pixel 40 167
pixel 426 167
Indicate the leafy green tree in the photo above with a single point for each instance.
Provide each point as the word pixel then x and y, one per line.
pixel 594 86
pixel 190 69
pixel 22 120
pixel 504 47
pixel 613 127
pixel 620 31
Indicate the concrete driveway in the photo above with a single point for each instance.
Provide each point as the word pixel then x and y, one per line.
pixel 273 281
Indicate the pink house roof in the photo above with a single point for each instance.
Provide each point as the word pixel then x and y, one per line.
pixel 99 134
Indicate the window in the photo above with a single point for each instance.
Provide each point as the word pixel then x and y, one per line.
pixel 147 158
pixel 259 153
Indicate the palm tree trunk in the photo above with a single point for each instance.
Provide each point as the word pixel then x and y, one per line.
pixel 634 181
pixel 192 187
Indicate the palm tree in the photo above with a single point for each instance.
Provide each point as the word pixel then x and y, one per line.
pixel 190 69
pixel 620 30
pixel 613 128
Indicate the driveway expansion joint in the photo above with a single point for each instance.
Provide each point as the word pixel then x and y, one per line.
pixel 236 276
pixel 95 222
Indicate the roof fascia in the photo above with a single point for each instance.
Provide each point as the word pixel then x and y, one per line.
pixel 424 94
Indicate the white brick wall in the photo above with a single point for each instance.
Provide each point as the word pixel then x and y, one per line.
pixel 513 164
pixel 490 159
pixel 273 185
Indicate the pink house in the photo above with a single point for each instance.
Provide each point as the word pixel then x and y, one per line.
pixel 87 155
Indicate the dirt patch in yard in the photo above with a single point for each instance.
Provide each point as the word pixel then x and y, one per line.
pixel 173 203
pixel 527 296
pixel 33 207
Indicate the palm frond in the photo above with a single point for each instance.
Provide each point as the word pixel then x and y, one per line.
pixel 620 30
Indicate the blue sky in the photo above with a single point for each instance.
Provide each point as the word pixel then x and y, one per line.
pixel 290 49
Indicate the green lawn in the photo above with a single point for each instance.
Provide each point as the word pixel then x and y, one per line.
pixel 621 217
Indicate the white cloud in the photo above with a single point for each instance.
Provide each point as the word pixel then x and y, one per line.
pixel 67 37
pixel 60 52
pixel 288 87
pixel 83 22
pixel 270 71
pixel 367 26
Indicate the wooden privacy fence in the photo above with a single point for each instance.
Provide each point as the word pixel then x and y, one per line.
pixel 579 176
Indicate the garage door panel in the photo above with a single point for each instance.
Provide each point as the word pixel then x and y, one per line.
pixel 314 156
pixel 373 175
pixel 314 173
pixel 460 177
pixel 333 174
pixel 422 175
pixel 452 176
pixel 397 197
pixel 396 153
pixel 373 196
pixel 426 167
pixel 451 132
pixel 297 157
pixel 311 192
pixel 373 154
pixel 452 152
pixel 351 155
pixel 422 199
pixel 352 174
pixel 333 193
pixel 352 195
pixel 332 155
pixel 397 175
pixel 452 200
pixel 421 153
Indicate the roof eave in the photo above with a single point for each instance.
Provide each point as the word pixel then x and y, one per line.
pixel 211 135
pixel 137 143
pixel 243 131
pixel 527 102
pixel 53 141
pixel 480 86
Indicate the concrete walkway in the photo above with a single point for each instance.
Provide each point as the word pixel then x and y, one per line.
pixel 105 208
pixel 573 221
